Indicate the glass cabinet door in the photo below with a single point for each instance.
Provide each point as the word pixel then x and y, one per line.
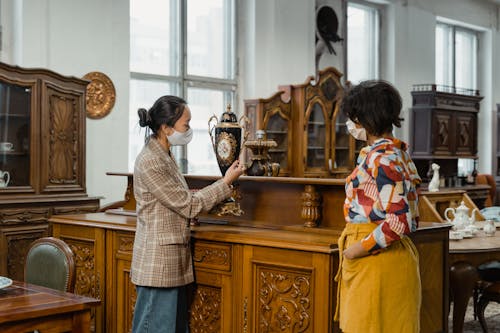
pixel 277 130
pixel 342 143
pixel 316 138
pixel 15 125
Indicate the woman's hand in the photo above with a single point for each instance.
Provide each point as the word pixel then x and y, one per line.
pixel 233 173
pixel 355 251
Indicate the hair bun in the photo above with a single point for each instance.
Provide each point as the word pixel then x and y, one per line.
pixel 144 117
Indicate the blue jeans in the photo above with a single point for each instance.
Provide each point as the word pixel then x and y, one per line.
pixel 160 310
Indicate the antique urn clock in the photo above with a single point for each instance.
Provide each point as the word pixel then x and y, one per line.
pixel 226 135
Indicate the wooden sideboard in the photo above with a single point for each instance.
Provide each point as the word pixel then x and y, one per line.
pixel 263 271
pixel 42 117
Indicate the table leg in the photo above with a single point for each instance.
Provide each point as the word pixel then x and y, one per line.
pixel 463 277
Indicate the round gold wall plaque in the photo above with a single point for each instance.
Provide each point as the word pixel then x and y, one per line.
pixel 101 95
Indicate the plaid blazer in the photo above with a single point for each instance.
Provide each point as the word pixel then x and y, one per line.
pixel 162 256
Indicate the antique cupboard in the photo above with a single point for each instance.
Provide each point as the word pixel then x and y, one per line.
pixel 264 271
pixel 42 158
pixel 306 122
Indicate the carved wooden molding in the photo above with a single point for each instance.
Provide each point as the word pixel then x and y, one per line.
pixel 311 202
pixel 205 313
pixel 212 256
pixel 23 215
pixel 75 209
pixel 284 299
pixel 63 139
pixel 126 243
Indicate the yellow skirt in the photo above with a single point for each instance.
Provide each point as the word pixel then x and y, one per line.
pixel 378 293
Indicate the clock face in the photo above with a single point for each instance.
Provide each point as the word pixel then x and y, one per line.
pixel 224 149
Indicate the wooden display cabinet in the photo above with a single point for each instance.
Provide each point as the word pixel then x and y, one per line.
pixel 306 123
pixel 42 158
pixel 443 127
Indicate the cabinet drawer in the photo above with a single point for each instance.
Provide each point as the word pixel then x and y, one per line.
pixel 24 215
pixel 212 255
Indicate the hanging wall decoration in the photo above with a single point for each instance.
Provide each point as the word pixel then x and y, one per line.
pixel 100 96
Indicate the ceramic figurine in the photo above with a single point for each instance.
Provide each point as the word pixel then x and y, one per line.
pixel 434 184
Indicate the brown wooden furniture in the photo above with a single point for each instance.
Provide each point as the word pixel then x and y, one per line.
pixel 306 123
pixel 42 114
pixel 465 256
pixel 250 270
pixel 50 263
pixel 25 307
pixel 444 127
pixel 487 290
pixel 487 179
pixel 431 205
pixel 496 153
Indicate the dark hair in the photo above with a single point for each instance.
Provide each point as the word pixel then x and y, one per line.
pixel 166 110
pixel 375 105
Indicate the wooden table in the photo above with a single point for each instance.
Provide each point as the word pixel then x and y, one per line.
pixel 26 307
pixel 465 256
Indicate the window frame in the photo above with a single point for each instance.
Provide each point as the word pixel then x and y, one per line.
pixel 376 27
pixel 453 31
pixel 184 81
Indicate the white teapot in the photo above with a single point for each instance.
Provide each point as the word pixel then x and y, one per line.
pixel 461 219
pixel 4 178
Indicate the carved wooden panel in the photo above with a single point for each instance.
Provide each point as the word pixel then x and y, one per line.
pixel 88 246
pixel 126 297
pixel 24 215
pixel 442 141
pixel 205 314
pixel 76 209
pixel 284 299
pixel 14 245
pixel 465 134
pixel 212 255
pixel 63 144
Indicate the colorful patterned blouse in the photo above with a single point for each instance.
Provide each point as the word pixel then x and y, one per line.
pixel 382 190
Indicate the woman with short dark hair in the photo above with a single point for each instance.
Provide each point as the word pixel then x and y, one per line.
pixel 379 281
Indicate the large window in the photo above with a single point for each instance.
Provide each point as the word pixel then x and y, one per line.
pixel 161 32
pixel 456 56
pixel 456 68
pixel 362 42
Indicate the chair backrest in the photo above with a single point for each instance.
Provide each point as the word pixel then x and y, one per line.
pixel 488 179
pixel 50 263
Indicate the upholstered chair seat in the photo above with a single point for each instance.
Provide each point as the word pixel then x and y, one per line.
pixel 50 263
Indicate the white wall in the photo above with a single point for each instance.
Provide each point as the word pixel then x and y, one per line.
pixel 73 38
pixel 276 47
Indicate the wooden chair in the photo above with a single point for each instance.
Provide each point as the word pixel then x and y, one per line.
pixel 487 290
pixel 50 263
pixel 487 179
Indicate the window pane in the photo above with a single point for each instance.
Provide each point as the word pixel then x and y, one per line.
pixel 142 95
pixel 465 59
pixel 444 55
pixel 154 36
pixel 362 43
pixel 210 38
pixel 204 103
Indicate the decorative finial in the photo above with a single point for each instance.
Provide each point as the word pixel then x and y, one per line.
pixel 228 107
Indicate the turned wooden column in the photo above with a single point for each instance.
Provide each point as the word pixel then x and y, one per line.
pixel 311 201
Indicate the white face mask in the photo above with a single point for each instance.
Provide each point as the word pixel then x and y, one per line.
pixel 357 133
pixel 179 139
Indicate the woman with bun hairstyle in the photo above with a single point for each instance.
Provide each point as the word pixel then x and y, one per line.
pixel 161 262
pixel 379 286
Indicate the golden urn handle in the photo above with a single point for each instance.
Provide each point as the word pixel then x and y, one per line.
pixel 211 128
